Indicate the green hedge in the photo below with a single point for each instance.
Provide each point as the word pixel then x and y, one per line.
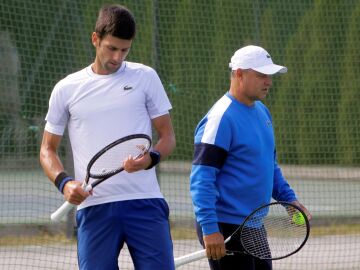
pixel 189 43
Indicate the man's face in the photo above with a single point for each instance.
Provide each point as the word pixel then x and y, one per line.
pixel 256 85
pixel 110 53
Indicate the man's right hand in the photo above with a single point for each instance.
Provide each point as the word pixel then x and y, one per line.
pixel 215 246
pixel 74 193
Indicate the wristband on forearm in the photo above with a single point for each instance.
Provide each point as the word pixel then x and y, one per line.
pixel 155 158
pixel 61 180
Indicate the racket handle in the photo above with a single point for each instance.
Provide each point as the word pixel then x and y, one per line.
pixel 197 255
pixel 66 207
pixel 62 211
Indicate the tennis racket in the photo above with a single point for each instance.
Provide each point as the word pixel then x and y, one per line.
pixel 271 232
pixel 108 162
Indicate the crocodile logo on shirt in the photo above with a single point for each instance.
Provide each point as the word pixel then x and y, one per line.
pixel 127 87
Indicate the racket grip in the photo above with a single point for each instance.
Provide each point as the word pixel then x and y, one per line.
pixel 62 211
pixel 200 254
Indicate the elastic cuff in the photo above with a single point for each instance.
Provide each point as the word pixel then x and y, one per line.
pixel 210 228
pixel 61 180
pixel 155 159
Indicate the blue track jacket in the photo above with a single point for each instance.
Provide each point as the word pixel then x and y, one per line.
pixel 234 169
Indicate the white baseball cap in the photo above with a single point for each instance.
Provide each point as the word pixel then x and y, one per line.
pixel 255 58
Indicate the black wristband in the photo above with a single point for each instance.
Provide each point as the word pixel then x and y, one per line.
pixel 61 180
pixel 155 158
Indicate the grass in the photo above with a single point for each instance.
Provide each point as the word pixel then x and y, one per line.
pixel 337 229
pixel 177 233
pixel 41 239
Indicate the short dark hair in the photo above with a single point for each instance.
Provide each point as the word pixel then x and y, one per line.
pixel 115 20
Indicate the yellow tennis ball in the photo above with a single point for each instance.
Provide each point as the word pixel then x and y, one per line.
pixel 298 219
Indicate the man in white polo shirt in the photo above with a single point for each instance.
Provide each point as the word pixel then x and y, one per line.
pixel 110 99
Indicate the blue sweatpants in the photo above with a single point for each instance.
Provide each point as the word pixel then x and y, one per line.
pixel 142 224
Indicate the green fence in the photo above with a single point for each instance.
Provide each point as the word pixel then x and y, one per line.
pixel 189 43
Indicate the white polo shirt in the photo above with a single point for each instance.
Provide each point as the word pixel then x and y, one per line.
pixel 99 109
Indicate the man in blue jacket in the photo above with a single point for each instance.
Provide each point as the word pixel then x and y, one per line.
pixel 235 167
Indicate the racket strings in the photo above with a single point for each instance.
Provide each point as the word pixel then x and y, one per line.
pixel 272 234
pixel 112 160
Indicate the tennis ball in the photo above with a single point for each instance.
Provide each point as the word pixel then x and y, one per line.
pixel 298 219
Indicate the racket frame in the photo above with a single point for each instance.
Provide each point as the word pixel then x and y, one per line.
pixel 67 206
pixel 286 205
pixel 201 254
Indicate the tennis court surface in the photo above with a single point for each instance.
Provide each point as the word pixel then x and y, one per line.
pixel 29 240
